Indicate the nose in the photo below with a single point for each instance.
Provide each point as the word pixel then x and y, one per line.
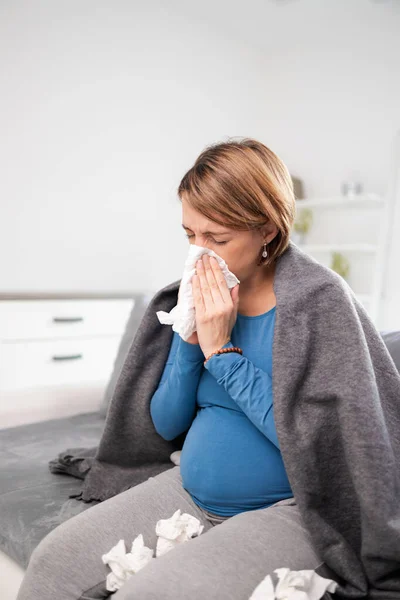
pixel 200 242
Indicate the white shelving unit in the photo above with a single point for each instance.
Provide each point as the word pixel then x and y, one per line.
pixel 364 200
pixel 377 251
pixel 368 248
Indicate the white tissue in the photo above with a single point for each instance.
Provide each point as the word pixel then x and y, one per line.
pixel 173 531
pixel 182 317
pixel 176 530
pixel 123 565
pixel 294 585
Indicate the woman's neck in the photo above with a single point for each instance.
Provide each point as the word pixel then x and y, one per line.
pixel 259 284
pixel 258 296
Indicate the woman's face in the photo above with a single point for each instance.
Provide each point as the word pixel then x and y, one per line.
pixel 240 250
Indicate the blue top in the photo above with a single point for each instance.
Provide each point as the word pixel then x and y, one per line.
pixel 230 460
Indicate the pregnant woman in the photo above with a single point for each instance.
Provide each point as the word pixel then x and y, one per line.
pixel 316 496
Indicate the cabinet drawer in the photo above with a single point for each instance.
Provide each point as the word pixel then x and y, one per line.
pixel 52 319
pixel 30 364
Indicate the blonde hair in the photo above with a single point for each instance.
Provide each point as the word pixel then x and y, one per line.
pixel 242 184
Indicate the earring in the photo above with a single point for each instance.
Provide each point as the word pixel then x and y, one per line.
pixel 265 253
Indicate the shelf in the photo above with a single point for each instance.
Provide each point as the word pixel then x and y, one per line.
pixel 365 200
pixel 325 248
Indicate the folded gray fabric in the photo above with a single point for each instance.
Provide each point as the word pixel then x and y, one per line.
pixel 336 397
pixel 70 461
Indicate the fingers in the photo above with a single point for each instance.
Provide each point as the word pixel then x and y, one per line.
pixel 220 280
pixel 207 285
pixel 204 289
pixel 197 295
pixel 212 283
pixel 217 279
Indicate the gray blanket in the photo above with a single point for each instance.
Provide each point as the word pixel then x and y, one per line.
pixel 336 397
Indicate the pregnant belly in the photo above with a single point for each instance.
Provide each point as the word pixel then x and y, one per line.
pixel 227 462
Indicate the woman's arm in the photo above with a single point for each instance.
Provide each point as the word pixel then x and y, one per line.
pixel 173 405
pixel 249 386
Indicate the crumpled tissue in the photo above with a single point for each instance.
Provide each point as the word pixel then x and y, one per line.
pixel 176 530
pixel 123 565
pixel 182 317
pixel 294 585
pixel 173 531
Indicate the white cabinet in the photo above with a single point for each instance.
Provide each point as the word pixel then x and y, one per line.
pixel 57 355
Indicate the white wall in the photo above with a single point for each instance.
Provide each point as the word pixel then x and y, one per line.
pixel 333 105
pixel 103 107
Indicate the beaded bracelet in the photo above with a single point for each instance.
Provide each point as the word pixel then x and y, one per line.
pixel 223 350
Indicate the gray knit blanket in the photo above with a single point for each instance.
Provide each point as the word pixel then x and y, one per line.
pixel 336 397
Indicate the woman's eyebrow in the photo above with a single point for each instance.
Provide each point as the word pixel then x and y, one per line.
pixel 205 232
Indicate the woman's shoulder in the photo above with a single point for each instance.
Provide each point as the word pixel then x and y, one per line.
pixel 301 278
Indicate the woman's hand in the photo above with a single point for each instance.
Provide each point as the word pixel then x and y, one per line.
pixel 193 339
pixel 216 306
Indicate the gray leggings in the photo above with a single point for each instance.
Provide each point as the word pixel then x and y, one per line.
pixel 227 560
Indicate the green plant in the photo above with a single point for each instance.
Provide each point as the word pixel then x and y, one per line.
pixel 304 221
pixel 340 264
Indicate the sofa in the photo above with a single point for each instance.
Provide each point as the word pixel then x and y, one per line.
pixel 33 501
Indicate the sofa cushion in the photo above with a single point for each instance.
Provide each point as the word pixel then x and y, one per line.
pixel 33 501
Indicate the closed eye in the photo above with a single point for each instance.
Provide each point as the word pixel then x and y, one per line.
pixel 214 241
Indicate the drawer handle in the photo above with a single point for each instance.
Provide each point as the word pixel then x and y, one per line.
pixel 67 319
pixel 68 357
